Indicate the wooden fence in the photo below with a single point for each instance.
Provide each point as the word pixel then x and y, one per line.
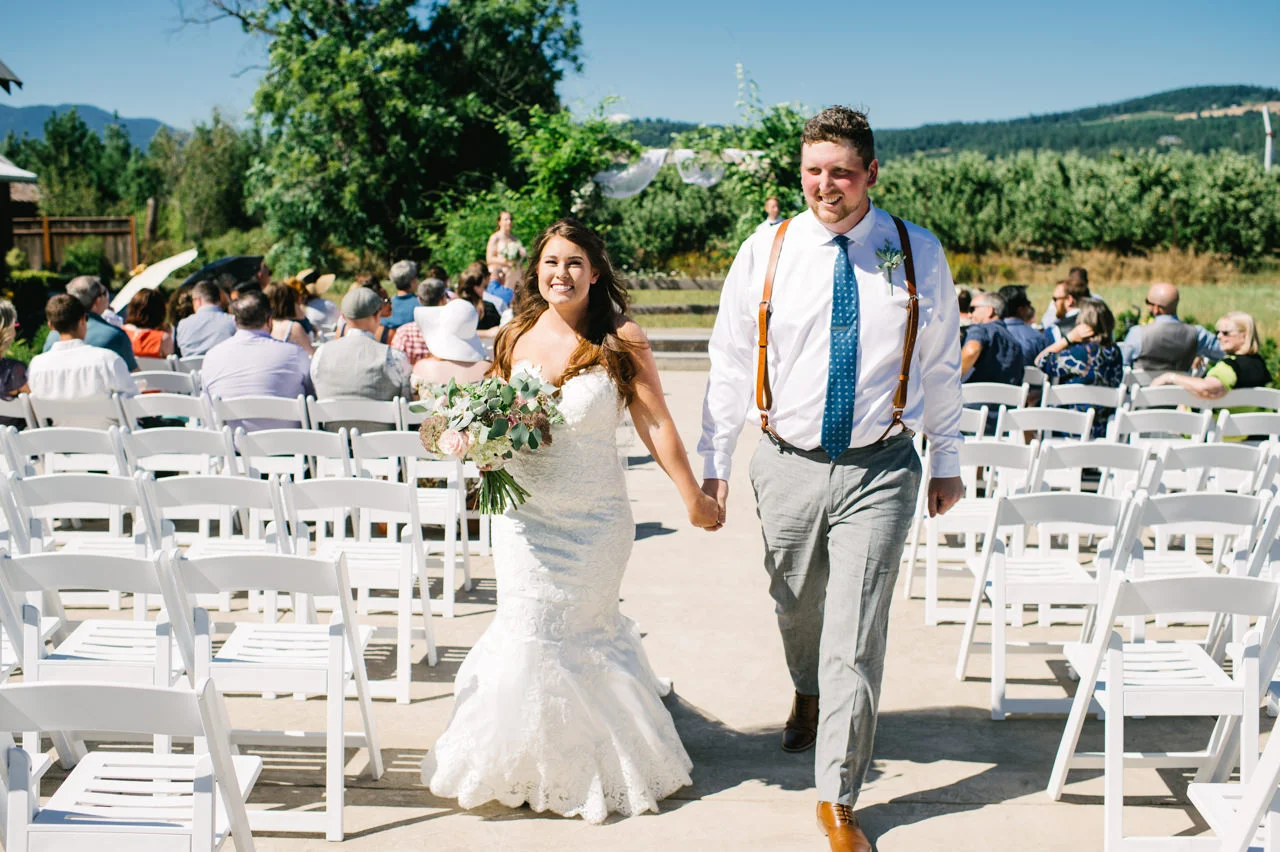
pixel 45 238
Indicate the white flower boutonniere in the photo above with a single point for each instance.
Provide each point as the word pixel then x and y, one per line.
pixel 891 258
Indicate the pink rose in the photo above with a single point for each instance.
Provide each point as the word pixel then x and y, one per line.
pixel 455 443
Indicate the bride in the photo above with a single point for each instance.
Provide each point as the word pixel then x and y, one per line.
pixel 556 704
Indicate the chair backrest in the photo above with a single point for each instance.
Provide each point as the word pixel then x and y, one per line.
pixel 19 408
pixel 81 495
pixel 994 393
pixel 64 449
pixel 166 381
pixel 403 447
pixel 1033 376
pixel 181 450
pixel 260 408
pixel 1075 394
pixel 1121 466
pixel 1248 596
pixel 1137 378
pixel 364 411
pixel 375 500
pixel 57 571
pixel 1265 424
pixel 190 363
pixel 409 419
pixel 1015 423
pixel 1203 513
pixel 1006 467
pixel 156 364
pixel 973 421
pixel 1093 512
pixel 1160 424
pixel 1214 463
pixel 289 453
pixel 172 493
pixel 194 409
pixel 133 709
pixel 93 411
pixel 273 572
pixel 1167 396
pixel 1265 398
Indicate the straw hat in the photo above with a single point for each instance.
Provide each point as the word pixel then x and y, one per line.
pixel 319 285
pixel 450 331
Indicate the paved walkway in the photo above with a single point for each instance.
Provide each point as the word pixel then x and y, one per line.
pixel 945 776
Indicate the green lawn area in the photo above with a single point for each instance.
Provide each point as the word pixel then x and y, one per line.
pixel 675 297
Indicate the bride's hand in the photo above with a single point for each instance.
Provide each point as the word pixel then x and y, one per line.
pixel 704 512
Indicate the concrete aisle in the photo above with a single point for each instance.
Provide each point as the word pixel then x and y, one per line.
pixel 945 776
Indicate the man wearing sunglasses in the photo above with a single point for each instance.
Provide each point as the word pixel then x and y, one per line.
pixel 1167 343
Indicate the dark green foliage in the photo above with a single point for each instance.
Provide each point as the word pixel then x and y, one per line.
pixel 87 257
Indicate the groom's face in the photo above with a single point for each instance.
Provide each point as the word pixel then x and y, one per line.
pixel 835 182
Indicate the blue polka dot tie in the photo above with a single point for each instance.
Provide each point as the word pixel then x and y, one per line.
pixel 837 415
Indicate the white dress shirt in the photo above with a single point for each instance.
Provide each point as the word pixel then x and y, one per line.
pixel 72 369
pixel 800 338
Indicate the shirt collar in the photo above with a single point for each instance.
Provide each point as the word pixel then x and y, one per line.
pixel 244 333
pixel 1166 318
pixel 67 343
pixel 815 233
pixel 353 330
pixel 204 308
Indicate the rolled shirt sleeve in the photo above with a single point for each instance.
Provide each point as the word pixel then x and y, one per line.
pixel 1131 346
pixel 1207 344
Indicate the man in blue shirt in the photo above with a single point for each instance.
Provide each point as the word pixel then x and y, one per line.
pixel 1018 310
pixel 208 326
pixel 498 289
pixel 404 274
pixel 89 291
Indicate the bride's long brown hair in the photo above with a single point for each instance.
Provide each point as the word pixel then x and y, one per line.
pixel 600 346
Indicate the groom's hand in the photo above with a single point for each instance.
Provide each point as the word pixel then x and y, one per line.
pixel 718 489
pixel 944 492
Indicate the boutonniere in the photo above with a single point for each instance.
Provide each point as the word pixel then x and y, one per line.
pixel 891 258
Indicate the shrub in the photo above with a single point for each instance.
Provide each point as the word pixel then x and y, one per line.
pixel 87 257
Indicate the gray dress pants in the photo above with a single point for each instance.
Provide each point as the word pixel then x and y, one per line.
pixel 833 535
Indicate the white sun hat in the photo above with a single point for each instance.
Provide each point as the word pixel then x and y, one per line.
pixel 450 331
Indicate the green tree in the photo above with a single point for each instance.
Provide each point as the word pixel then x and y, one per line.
pixel 209 191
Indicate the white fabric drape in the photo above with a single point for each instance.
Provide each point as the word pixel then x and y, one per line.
pixel 631 180
pixel 695 170
pixel 626 181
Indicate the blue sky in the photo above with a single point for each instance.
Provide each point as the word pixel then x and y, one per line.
pixel 909 63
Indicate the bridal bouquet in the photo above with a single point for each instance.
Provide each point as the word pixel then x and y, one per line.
pixel 488 422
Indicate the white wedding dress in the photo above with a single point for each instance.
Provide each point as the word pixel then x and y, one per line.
pixel 557 705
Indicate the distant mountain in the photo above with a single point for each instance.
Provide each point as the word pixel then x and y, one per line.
pixel 30 120
pixel 1199 119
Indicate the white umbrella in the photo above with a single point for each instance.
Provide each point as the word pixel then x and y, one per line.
pixel 151 277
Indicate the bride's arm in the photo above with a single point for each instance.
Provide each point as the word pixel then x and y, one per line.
pixel 657 429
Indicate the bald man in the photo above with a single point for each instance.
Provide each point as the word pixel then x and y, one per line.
pixel 1167 343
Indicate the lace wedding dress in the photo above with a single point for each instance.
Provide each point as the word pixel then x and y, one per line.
pixel 557 705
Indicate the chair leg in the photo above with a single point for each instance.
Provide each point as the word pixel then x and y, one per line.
pixel 970 624
pixel 1070 737
pixel 404 635
pixel 998 662
pixel 1113 762
pixel 334 753
pixel 931 574
pixel 911 559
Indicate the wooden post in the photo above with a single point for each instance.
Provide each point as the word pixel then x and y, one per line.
pixel 133 241
pixel 151 223
pixel 47 260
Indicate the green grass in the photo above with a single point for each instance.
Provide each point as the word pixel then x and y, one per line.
pixel 675 297
pixel 675 320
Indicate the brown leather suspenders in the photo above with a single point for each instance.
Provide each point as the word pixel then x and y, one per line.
pixel 764 398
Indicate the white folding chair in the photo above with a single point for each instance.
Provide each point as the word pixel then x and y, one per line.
pixel 282 410
pixel 396 455
pixel 997 397
pixel 91 413
pixel 387 563
pixel 166 381
pixel 1174 678
pixel 1267 399
pixel 988 470
pixel 19 408
pixel 126 800
pixel 150 365
pixel 1048 425
pixel 63 449
pixel 194 410
pixel 1244 816
pixel 1046 577
pixel 1250 428
pixel 483 542
pixel 1221 467
pixel 1098 396
pixel 1158 428
pixel 1121 468
pixel 96 649
pixel 294 453
pixel 1168 396
pixel 301 658
pixel 180 450
pixel 1228 519
pixel 973 422
pixel 367 415
pixel 190 363
pixel 1033 376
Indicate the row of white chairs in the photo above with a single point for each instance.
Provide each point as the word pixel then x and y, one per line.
pixel 374 523
pixel 303 657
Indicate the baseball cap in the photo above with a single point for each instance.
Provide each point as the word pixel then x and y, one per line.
pixel 360 302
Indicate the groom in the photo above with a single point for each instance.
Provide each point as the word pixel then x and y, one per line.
pixel 844 323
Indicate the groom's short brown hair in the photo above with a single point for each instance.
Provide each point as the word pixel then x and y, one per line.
pixel 842 124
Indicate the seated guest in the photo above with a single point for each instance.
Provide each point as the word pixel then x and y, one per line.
pixel 1086 355
pixel 253 363
pixel 72 369
pixel 1167 343
pixel 384 334
pixel 286 324
pixel 208 325
pixel 498 292
pixel 1078 277
pixel 1067 294
pixel 455 351
pixel 964 298
pixel 320 312
pixel 180 307
pixel 404 276
pixel 144 322
pixel 471 287
pixel 13 373
pixel 1240 367
pixel 990 353
pixel 356 365
pixel 93 294
pixel 1017 314
pixel 431 293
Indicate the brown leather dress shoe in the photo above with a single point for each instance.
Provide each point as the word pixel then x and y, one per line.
pixel 841 828
pixel 801 730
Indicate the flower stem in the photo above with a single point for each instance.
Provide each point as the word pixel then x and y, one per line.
pixel 499 491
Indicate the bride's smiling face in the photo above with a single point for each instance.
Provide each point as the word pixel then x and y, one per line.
pixel 565 274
